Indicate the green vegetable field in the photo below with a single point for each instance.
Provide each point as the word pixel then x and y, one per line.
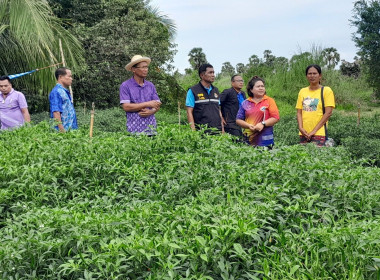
pixel 183 205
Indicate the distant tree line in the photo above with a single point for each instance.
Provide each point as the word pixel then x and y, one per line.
pixel 330 56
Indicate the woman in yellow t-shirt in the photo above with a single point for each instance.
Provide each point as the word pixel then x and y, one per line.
pixel 310 116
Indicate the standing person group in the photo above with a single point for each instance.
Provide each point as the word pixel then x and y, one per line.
pixel 230 111
pixel 208 110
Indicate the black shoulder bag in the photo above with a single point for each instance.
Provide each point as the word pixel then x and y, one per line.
pixel 323 110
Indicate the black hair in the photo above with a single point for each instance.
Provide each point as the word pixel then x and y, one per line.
pixel 3 78
pixel 60 72
pixel 315 66
pixel 234 76
pixel 203 68
pixel 252 83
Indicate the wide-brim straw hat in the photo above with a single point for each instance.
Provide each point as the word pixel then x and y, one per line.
pixel 137 59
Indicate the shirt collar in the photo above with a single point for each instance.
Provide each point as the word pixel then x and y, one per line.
pixel 61 86
pixel 136 83
pixel 264 98
pixel 10 93
pixel 208 89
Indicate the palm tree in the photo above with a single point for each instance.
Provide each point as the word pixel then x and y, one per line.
pixel 253 60
pixel 197 57
pixel 164 19
pixel 331 57
pixel 29 39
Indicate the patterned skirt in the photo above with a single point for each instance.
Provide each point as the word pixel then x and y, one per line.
pixel 316 139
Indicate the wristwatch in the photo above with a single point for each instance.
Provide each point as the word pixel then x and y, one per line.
pixel 263 123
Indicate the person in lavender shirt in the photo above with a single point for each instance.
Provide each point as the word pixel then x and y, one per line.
pixel 139 99
pixel 13 107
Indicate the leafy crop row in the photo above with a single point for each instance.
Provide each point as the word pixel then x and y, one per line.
pixel 182 205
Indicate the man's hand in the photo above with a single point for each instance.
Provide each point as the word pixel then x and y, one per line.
pixel 147 112
pixel 58 120
pixel 224 121
pixel 153 104
pixel 61 128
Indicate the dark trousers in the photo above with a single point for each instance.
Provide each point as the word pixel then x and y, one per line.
pixel 234 131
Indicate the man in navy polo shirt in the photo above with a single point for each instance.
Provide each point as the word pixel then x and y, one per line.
pixel 139 99
pixel 202 101
pixel 230 102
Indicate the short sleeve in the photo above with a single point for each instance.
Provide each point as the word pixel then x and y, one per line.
pixel 329 98
pixel 125 95
pixel 22 101
pixel 241 114
pixel 190 100
pixel 273 110
pixel 299 101
pixel 154 93
pixel 55 102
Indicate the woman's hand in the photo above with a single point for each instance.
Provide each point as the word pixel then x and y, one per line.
pixel 259 127
pixel 252 127
pixel 312 133
pixel 304 133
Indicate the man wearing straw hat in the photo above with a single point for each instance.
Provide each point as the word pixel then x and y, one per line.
pixel 139 99
pixel 61 105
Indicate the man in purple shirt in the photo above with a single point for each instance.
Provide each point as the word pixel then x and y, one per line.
pixel 13 107
pixel 139 99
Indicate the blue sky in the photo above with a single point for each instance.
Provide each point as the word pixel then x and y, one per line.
pixel 234 30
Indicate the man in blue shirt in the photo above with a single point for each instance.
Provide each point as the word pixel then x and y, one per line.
pixel 61 105
pixel 202 101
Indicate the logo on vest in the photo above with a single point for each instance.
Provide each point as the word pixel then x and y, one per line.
pixel 215 95
pixel 201 96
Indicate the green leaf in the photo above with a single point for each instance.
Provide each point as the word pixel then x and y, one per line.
pixel 204 257
pixel 294 269
pixel 173 245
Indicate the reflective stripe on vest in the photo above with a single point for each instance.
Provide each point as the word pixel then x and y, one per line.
pixel 208 100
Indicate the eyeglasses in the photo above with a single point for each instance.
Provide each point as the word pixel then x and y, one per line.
pixel 141 67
